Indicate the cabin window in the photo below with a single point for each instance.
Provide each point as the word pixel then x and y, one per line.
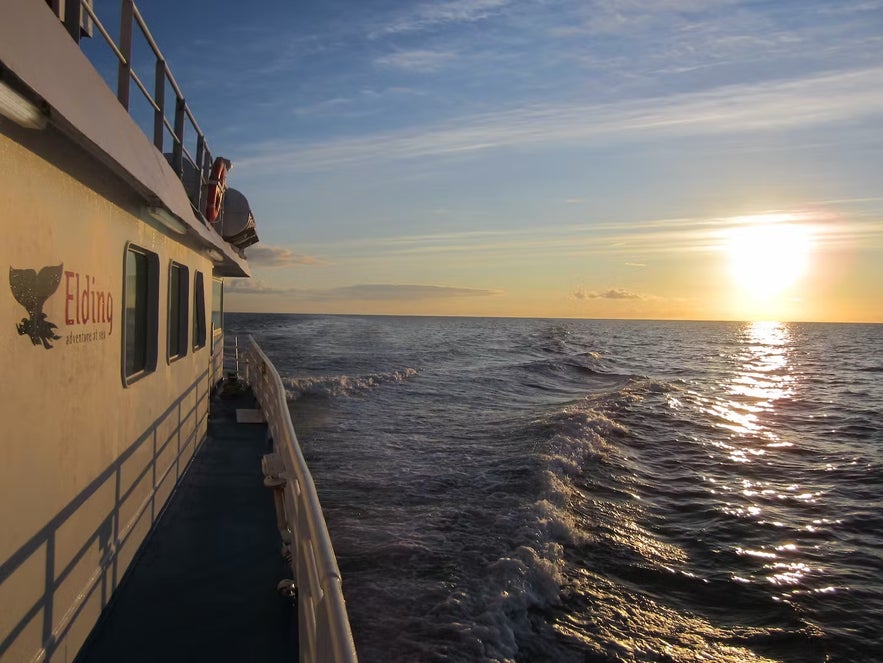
pixel 141 297
pixel 179 307
pixel 217 306
pixel 198 311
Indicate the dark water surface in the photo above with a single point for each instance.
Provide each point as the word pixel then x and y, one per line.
pixel 582 490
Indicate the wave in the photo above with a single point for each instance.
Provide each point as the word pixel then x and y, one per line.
pixel 516 544
pixel 591 428
pixel 571 371
pixel 578 433
pixel 496 619
pixel 341 385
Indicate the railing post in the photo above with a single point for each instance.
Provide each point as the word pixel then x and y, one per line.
pixel 200 167
pixel 204 177
pixel 245 361
pixel 124 69
pixel 178 150
pixel 159 92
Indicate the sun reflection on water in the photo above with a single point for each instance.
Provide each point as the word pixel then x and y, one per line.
pixel 762 380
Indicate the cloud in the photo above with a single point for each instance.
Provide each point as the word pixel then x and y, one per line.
pixel 418 60
pixel 771 105
pixel 626 239
pixel 268 255
pixel 252 287
pixel 386 291
pixel 834 224
pixel 611 17
pixel 852 8
pixel 363 291
pixel 432 14
pixel 613 293
pixel 323 107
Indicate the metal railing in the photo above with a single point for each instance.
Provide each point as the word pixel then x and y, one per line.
pixel 232 356
pixel 77 13
pixel 218 357
pixel 324 629
pixel 53 561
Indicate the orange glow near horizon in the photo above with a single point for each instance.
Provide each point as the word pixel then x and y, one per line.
pixel 808 263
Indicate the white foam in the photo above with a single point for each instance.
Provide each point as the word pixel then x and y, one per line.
pixel 341 385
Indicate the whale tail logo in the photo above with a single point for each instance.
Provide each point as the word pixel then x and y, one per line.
pixel 31 290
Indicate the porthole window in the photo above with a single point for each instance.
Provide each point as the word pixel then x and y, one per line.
pixel 179 307
pixel 140 308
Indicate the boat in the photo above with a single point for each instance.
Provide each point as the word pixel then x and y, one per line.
pixel 118 234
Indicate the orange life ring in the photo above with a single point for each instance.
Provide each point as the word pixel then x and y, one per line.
pixel 217 185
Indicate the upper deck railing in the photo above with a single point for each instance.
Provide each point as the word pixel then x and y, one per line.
pixel 323 624
pixel 79 18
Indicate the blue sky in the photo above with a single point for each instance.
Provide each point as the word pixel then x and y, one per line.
pixel 548 157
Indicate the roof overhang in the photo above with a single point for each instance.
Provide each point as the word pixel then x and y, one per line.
pixel 36 48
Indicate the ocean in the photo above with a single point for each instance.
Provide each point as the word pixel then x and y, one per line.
pixel 594 490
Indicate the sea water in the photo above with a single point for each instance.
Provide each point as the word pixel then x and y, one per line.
pixel 587 490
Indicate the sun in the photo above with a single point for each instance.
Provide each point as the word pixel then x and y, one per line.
pixel 768 253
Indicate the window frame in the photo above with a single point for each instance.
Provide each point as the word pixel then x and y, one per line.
pixel 183 312
pixel 217 330
pixel 149 317
pixel 198 324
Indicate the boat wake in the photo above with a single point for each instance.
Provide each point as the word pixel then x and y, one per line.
pixel 341 385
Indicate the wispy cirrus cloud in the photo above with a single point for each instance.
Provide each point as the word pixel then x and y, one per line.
pixel 852 7
pixel 361 292
pixel 612 293
pixel 389 291
pixel 625 16
pixel 268 255
pixel 833 224
pixel 252 286
pixel 431 14
pixel 417 60
pixel 772 105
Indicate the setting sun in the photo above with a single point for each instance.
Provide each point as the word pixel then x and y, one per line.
pixel 768 253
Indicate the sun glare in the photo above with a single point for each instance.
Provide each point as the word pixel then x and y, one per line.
pixel 768 253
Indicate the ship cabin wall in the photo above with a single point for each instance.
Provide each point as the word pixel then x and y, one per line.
pixel 88 456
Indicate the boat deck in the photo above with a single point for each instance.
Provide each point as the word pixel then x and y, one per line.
pixel 203 586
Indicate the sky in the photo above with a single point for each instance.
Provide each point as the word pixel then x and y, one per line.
pixel 664 159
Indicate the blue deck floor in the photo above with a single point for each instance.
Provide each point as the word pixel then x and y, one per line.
pixel 203 587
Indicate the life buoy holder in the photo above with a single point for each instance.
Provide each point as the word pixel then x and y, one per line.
pixel 217 186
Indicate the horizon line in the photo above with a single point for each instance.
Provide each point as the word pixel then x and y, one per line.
pixel 529 317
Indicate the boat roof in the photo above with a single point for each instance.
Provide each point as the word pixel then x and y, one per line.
pixel 37 49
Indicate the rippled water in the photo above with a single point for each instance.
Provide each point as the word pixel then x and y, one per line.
pixel 569 490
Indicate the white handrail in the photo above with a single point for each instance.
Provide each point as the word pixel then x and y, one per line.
pixel 324 629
